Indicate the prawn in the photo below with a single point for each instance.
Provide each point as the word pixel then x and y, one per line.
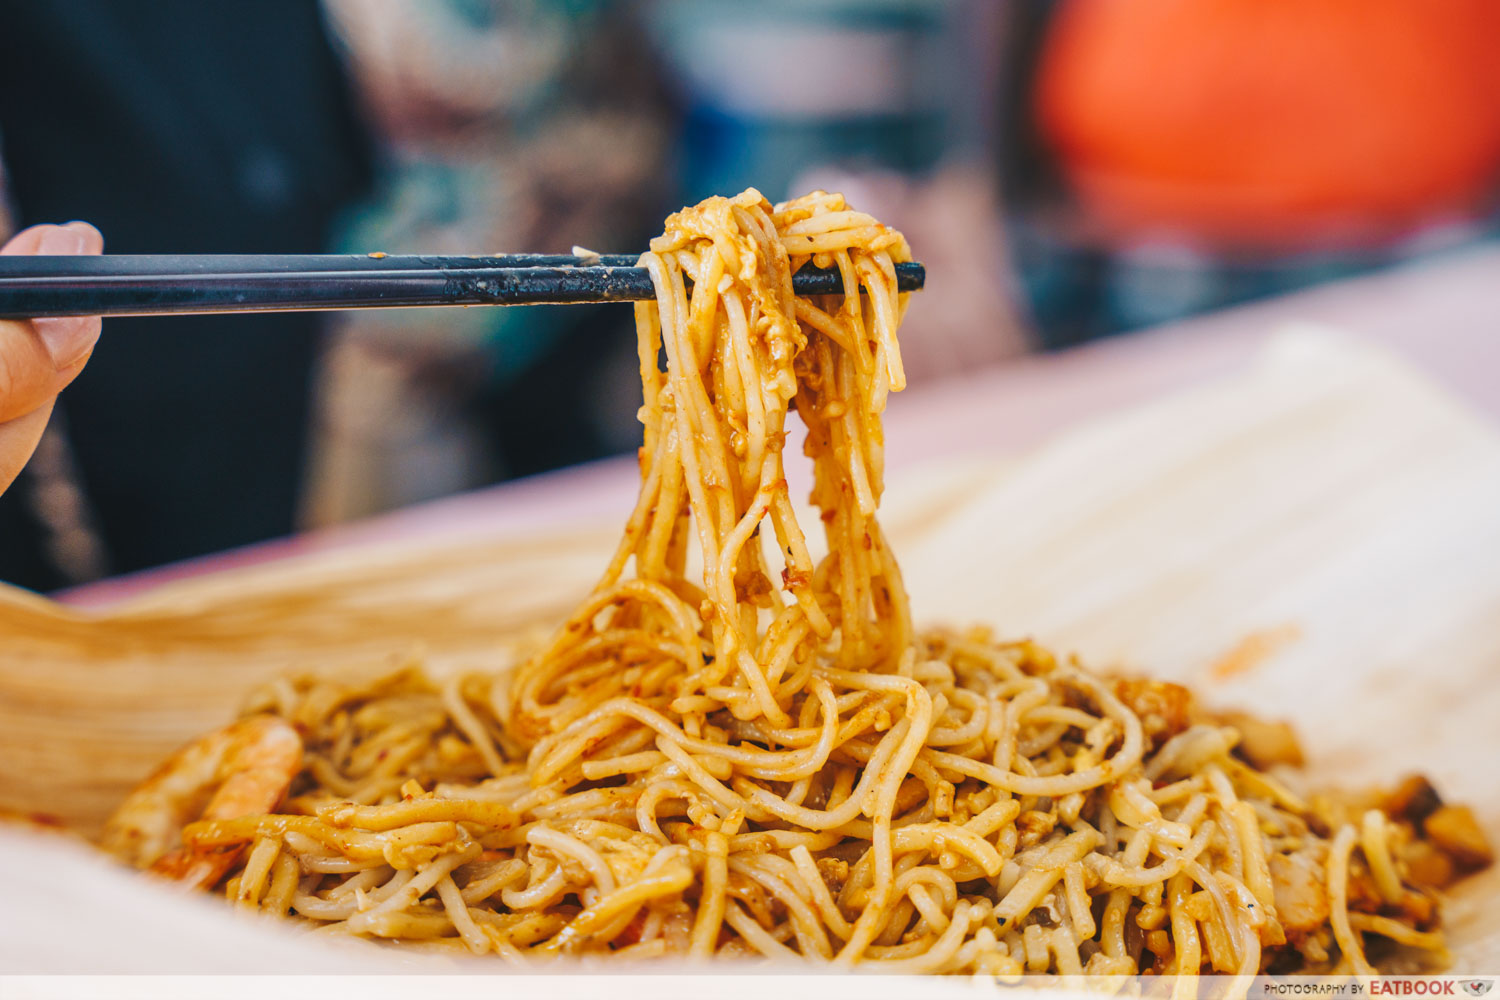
pixel 251 762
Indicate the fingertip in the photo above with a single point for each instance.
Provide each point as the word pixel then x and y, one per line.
pixel 47 238
pixel 93 240
pixel 69 340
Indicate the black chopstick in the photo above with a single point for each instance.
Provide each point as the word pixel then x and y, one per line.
pixel 150 284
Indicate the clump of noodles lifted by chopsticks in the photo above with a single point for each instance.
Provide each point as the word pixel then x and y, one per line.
pixel 765 758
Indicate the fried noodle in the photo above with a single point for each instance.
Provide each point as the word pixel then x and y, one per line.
pixel 761 756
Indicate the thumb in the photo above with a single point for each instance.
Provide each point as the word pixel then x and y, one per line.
pixel 18 439
pixel 38 358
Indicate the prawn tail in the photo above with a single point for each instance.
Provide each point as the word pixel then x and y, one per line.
pixel 197 869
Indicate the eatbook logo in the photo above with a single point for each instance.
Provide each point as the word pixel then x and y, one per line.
pixel 1477 987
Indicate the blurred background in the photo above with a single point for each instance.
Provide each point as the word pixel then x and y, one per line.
pixel 1067 169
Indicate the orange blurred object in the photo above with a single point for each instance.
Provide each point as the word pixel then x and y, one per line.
pixel 1281 122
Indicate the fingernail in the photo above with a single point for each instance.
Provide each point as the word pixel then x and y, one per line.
pixel 61 240
pixel 92 239
pixel 68 339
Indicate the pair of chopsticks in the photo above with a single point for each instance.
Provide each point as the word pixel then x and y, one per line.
pixel 161 284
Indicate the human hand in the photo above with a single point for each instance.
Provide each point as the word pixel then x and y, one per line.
pixel 39 357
